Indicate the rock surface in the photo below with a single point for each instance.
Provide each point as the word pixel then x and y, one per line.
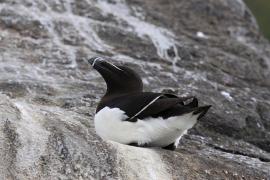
pixel 208 48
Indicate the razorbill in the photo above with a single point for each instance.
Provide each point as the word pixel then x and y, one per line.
pixel 130 116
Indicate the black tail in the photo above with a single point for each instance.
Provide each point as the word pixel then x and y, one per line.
pixel 201 110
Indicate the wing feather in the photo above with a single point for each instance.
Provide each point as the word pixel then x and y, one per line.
pixel 146 104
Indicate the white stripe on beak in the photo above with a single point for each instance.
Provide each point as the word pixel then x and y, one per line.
pixel 98 58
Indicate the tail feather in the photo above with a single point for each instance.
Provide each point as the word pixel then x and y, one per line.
pixel 201 111
pixel 193 103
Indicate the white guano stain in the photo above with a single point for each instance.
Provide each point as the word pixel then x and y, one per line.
pixel 82 25
pixel 141 163
pixel 227 95
pixel 162 38
pixel 32 136
pixel 201 35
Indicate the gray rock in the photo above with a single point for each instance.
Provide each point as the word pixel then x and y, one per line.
pixel 48 92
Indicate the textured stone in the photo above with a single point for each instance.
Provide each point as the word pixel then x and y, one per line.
pixel 48 93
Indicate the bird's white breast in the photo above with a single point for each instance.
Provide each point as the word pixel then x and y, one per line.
pixel 110 125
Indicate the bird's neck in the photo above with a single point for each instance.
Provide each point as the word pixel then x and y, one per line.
pixel 110 96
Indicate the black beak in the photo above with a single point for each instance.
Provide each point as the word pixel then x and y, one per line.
pixel 99 61
pixel 94 60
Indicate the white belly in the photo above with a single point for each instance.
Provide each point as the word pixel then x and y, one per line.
pixel 109 125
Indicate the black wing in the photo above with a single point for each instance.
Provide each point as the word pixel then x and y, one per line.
pixel 147 104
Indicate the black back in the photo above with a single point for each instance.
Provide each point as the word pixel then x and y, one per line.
pixel 124 91
pixel 147 104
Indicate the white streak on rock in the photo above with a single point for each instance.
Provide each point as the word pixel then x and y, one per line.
pixel 201 35
pixel 162 38
pixel 141 163
pixel 227 95
pixel 83 26
pixel 32 135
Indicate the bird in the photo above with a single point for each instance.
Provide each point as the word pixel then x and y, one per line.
pixel 128 115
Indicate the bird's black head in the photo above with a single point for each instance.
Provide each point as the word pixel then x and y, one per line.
pixel 119 79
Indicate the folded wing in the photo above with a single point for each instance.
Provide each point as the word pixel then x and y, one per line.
pixel 143 105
